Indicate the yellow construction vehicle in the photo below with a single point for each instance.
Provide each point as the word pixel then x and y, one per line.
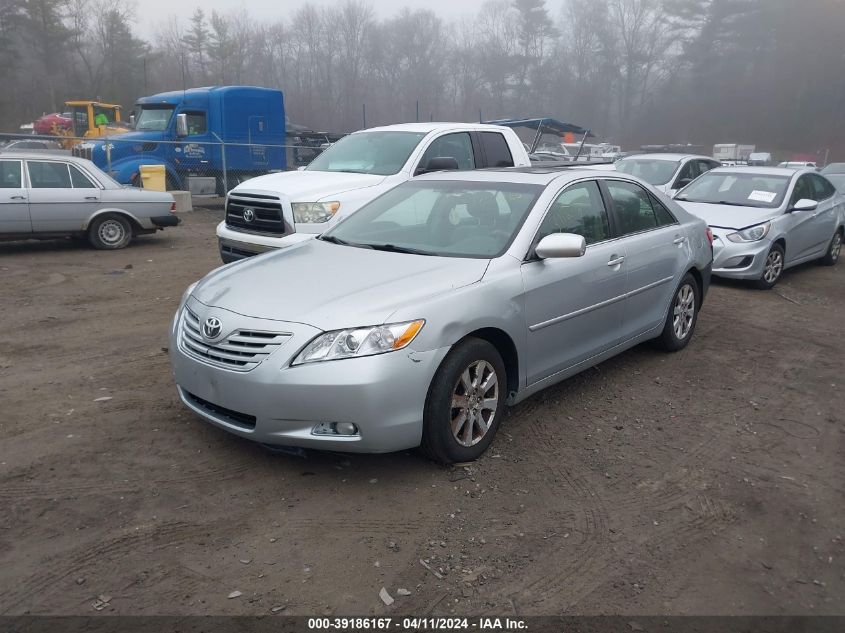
pixel 91 119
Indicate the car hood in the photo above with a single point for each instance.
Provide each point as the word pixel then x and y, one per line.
pixel 310 186
pixel 727 216
pixel 330 287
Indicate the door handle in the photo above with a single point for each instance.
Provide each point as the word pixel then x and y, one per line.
pixel 18 197
pixel 91 198
pixel 679 240
pixel 616 261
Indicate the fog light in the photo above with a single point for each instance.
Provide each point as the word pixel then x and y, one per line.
pixel 335 428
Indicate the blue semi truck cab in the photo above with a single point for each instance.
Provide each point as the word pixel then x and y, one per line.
pixel 208 139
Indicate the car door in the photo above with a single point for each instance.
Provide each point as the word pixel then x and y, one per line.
pixel 827 213
pixel 14 198
pixel 61 196
pixel 809 231
pixel 573 306
pixel 657 251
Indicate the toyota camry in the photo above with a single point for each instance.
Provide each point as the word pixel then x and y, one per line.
pixel 416 320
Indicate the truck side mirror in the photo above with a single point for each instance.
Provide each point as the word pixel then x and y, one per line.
pixel 131 120
pixel 439 163
pixel 181 125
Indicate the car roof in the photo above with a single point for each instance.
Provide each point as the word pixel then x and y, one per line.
pixel 536 174
pixel 425 128
pixel 762 171
pixel 666 156
pixel 41 155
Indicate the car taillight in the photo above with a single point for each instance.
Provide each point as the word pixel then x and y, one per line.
pixel 173 210
pixel 710 236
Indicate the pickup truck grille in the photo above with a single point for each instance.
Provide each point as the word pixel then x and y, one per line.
pixel 255 213
pixel 240 351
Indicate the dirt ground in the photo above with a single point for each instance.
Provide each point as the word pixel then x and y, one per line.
pixel 711 481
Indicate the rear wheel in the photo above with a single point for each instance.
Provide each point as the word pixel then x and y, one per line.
pixel 110 232
pixel 832 255
pixel 773 268
pixel 682 317
pixel 465 403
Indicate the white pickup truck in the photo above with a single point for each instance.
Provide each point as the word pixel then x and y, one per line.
pixel 277 210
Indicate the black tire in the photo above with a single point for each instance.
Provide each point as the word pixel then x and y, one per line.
pixel 682 316
pixel 439 442
pixel 773 268
pixel 833 250
pixel 109 232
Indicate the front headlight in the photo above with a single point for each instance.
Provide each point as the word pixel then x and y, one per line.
pixel 314 212
pixel 751 234
pixel 365 341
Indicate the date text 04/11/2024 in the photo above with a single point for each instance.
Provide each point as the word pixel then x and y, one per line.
pixel 416 624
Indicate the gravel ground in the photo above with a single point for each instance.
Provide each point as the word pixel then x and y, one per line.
pixel 711 481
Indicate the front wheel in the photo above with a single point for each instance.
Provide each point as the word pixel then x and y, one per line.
pixel 772 269
pixel 832 255
pixel 110 232
pixel 465 403
pixel 682 316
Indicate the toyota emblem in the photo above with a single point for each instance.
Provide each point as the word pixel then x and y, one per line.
pixel 249 215
pixel 211 328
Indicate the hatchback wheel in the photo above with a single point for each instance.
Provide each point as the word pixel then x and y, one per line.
pixel 682 317
pixel 772 269
pixel 465 403
pixel 110 232
pixel 832 255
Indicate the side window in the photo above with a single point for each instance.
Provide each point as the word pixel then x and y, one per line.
pixel 44 175
pixel 10 174
pixel 197 123
pixel 578 209
pixel 664 216
pixel 821 187
pixel 632 206
pixel 80 180
pixel 458 146
pixel 803 189
pixel 688 172
pixel 704 166
pixel 496 149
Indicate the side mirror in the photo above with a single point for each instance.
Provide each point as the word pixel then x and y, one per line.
pixel 558 245
pixel 439 163
pixel 131 120
pixel 805 204
pixel 181 125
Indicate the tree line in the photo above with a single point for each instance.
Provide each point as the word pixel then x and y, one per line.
pixel 768 72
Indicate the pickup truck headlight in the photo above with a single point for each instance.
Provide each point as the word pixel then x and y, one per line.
pixel 314 212
pixel 751 234
pixel 365 341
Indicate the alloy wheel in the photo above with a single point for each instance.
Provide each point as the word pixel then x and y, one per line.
pixel 774 267
pixel 836 247
pixel 475 403
pixel 683 312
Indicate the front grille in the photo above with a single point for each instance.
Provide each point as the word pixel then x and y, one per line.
pixel 235 418
pixel 266 213
pixel 82 152
pixel 234 253
pixel 240 351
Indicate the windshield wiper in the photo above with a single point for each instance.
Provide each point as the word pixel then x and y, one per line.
pixel 392 248
pixel 331 239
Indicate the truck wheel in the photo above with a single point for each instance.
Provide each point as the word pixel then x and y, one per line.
pixel 110 232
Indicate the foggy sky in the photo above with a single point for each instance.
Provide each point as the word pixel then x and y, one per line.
pixel 151 13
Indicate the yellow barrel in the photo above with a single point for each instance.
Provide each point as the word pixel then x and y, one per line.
pixel 154 177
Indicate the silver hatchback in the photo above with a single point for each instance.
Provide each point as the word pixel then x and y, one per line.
pixel 417 319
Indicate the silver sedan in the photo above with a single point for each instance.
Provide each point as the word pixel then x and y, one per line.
pixel 417 319
pixel 767 219
pixel 44 196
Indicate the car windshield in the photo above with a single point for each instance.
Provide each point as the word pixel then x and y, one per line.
pixel 655 171
pixel 745 189
pixel 443 218
pixel 153 118
pixel 380 153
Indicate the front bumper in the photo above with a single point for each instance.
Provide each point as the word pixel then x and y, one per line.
pixel 237 245
pixel 745 260
pixel 277 404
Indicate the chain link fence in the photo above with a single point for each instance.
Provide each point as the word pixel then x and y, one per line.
pixel 205 168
